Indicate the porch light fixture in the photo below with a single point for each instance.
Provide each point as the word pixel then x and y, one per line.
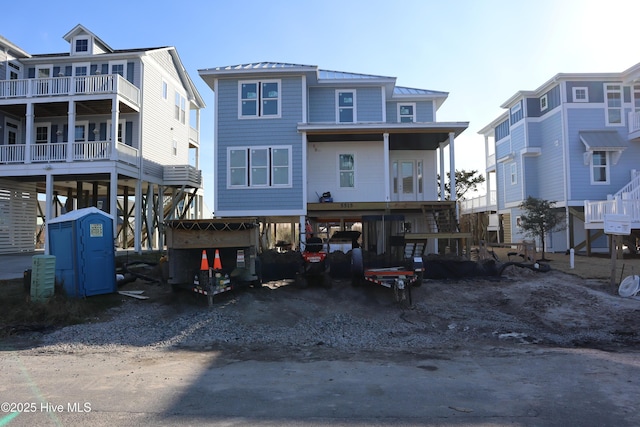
pixel 60 74
pixel 96 131
pixel 59 133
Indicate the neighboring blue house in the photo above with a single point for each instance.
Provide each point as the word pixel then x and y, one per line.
pixel 286 134
pixel 576 141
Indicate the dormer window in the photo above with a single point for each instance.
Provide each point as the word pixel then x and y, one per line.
pixel 81 46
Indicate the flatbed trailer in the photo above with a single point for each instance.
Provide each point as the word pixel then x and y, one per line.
pixel 213 256
pixel 384 260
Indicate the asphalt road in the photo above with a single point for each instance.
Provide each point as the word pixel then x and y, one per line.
pixel 498 386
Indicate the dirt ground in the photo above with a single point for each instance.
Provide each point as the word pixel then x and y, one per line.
pixel 565 307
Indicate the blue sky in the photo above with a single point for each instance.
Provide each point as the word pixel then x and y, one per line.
pixel 481 52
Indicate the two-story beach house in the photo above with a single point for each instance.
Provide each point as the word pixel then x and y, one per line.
pixel 576 141
pixel 96 126
pixel 298 144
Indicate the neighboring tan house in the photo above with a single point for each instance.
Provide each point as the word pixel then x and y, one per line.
pixel 97 126
pixel 287 136
pixel 576 141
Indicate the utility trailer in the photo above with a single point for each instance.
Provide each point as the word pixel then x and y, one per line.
pixel 386 258
pixel 213 256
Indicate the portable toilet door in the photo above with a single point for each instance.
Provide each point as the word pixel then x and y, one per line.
pixel 96 249
pixel 82 241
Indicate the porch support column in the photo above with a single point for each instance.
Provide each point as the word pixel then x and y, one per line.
pixel 115 116
pixel 452 167
pixel 161 218
pixel 28 133
pixel 443 176
pixel 71 130
pixel 486 174
pixel 48 209
pixel 113 201
pixel 137 218
pixel 150 215
pixel 385 156
pixel 303 234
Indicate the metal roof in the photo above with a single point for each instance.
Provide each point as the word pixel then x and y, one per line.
pixel 264 66
pixel 400 90
pixel 342 75
pixel 602 140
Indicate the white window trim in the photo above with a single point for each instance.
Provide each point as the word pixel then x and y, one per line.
pixel 606 104
pixel 42 125
pixel 544 102
pixel 75 65
pixel 411 104
pixel 164 90
pixel 586 94
pixel 17 129
pixel 124 67
pixel 340 170
pixel 16 67
pixel 259 84
pixel 516 108
pixel 174 148
pixel 607 169
pixel 513 173
pixel 270 167
pixel 181 102
pixel 89 50
pixel 337 103
pixel 85 124
pixel 121 122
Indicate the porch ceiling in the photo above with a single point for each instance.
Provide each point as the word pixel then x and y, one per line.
pixel 414 136
pixel 61 109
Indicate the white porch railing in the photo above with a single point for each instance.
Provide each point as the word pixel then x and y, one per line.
pixel 594 211
pixel 57 152
pixel 634 121
pixel 79 85
pixel 480 203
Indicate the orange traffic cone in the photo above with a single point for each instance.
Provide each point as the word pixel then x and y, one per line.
pixel 217 264
pixel 204 264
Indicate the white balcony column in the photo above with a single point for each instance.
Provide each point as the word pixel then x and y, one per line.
pixel 442 173
pixel 452 167
pixel 115 117
pixel 385 168
pixel 71 130
pixel 28 135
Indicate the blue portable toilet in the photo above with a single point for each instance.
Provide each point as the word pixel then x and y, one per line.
pixel 82 242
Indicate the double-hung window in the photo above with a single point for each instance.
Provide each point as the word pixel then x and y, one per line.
pixel 81 45
pixel 613 99
pixel 180 108
pixel 599 168
pixel 345 106
pixel 514 173
pixel 259 99
pixel 259 167
pixel 407 113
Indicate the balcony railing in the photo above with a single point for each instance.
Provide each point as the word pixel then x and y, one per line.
pixel 78 85
pixel 480 203
pixel 634 122
pixel 58 152
pixel 594 211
